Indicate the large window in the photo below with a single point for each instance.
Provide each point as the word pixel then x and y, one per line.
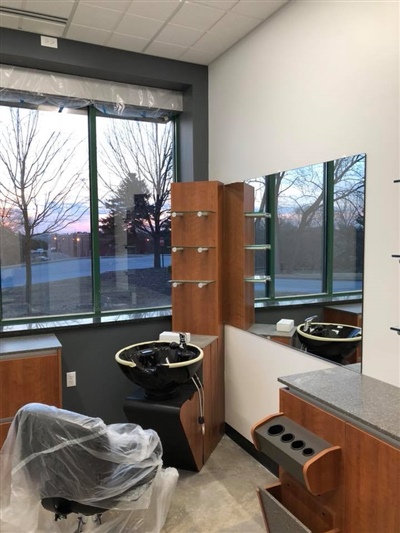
pixel 84 224
pixel 316 229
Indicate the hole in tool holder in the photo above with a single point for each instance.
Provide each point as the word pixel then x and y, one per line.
pixel 298 444
pixel 287 437
pixel 308 451
pixel 276 429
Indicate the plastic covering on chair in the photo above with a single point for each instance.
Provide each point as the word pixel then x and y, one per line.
pixel 54 453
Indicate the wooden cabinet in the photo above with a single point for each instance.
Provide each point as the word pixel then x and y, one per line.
pixel 214 396
pixel 197 303
pixel 30 371
pixel 372 484
pixel 366 498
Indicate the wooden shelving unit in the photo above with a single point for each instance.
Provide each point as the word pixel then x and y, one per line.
pixel 196 278
pixel 196 233
pixel 239 255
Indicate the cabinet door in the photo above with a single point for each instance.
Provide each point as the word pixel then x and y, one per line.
pixel 214 396
pixel 29 379
pixel 372 484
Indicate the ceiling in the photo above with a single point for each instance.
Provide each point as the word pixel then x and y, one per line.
pixel 197 31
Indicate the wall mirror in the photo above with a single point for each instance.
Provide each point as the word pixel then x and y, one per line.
pixel 315 261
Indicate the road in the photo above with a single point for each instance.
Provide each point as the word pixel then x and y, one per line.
pixel 14 276
pixel 45 272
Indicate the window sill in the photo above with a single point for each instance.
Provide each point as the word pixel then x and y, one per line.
pixel 313 300
pixel 56 325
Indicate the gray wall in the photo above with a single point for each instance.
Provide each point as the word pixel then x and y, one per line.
pixel 80 59
pixel 89 351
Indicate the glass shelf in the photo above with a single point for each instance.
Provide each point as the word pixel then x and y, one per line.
pixel 198 213
pixel 396 328
pixel 199 282
pixel 257 247
pixel 257 214
pixel 258 279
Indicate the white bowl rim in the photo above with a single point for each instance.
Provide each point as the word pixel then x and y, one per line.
pixel 169 365
pixel 328 339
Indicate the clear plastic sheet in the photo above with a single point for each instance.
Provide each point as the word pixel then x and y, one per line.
pixel 52 452
pixel 30 86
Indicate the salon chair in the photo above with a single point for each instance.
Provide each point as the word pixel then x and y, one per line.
pixel 71 463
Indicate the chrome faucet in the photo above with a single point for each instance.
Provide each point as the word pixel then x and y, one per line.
pixel 307 323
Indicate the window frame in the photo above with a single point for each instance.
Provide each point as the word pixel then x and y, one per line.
pixel 96 315
pixel 327 294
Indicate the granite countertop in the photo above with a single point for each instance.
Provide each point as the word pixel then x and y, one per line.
pixel 202 340
pixel 31 343
pixel 348 308
pixel 270 330
pixel 366 401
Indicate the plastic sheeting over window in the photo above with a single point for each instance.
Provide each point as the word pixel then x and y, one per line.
pixel 54 453
pixel 28 86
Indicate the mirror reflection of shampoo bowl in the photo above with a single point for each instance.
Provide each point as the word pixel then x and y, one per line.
pixel 159 367
pixel 331 341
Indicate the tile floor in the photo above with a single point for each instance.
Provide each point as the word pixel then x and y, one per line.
pixel 221 498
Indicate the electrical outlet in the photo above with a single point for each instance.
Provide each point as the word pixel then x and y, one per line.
pixel 71 379
pixel 50 42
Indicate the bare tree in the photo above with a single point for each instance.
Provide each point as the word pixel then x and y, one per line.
pixel 37 184
pixel 141 154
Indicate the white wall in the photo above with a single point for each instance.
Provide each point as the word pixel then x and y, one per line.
pixel 252 367
pixel 317 81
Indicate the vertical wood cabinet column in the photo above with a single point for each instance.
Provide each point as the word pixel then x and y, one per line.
pixel 196 278
pixel 238 255
pixel 30 371
pixel 196 242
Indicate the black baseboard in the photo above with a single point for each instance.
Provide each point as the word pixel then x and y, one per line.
pixel 248 447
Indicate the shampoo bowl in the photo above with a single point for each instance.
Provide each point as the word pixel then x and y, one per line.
pixel 331 341
pixel 159 367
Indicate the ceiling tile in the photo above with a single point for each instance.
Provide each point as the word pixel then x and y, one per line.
pixel 92 17
pixel 213 42
pixel 197 16
pixel 87 35
pixel 56 8
pixel 198 57
pixel 127 42
pixel 42 27
pixel 179 35
pixel 16 4
pixel 116 5
pixel 9 21
pixel 258 8
pixel 155 9
pixel 138 26
pixel 235 25
pixel 170 51
pixel 225 5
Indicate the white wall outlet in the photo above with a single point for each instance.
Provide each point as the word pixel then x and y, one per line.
pixel 50 42
pixel 71 379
